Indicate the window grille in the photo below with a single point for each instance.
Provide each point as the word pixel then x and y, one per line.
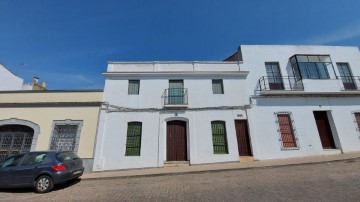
pixel 219 137
pixel 287 132
pixel 65 136
pixel 133 139
pixel 134 87
pixel 15 139
pixel 217 86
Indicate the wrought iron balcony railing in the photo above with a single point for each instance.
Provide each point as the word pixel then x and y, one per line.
pixel 266 83
pixel 349 83
pixel 175 97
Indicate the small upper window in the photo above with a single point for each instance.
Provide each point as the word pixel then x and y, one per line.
pixel 217 86
pixel 134 87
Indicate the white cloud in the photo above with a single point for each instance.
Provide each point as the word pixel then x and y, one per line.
pixel 341 34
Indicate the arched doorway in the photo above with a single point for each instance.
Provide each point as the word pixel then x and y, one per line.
pixel 15 139
pixel 176 141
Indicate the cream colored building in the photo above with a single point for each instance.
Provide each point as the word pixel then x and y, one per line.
pixel 49 120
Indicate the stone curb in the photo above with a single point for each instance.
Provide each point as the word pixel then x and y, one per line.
pixel 217 170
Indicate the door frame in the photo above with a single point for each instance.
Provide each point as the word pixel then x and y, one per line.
pixel 330 127
pixel 248 130
pixel 187 136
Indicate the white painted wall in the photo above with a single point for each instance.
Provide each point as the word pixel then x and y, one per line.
pixel 8 80
pixel 111 139
pixel 239 87
pixel 264 134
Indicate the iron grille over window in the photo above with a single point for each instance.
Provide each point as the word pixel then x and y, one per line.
pixel 133 139
pixel 219 137
pixel 217 86
pixel 134 87
pixel 15 139
pixel 287 133
pixel 65 136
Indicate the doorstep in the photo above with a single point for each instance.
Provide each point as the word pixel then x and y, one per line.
pixel 176 163
pixel 246 159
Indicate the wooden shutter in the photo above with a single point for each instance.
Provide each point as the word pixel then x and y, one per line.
pixel 286 130
pixel 219 137
pixel 133 139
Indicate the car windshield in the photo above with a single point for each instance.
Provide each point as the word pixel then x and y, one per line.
pixel 66 156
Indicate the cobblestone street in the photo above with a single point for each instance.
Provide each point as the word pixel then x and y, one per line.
pixel 335 181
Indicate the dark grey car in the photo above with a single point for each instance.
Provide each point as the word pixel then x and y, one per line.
pixel 41 170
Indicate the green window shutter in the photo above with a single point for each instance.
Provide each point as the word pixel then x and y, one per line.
pixel 133 139
pixel 217 86
pixel 219 137
pixel 134 87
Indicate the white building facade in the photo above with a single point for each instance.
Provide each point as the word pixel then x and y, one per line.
pixel 161 112
pixel 305 100
pixel 268 102
pixel 8 80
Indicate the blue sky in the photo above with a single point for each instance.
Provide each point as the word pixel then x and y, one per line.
pixel 68 43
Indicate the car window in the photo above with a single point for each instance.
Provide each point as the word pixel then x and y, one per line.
pixel 12 161
pixel 33 159
pixel 66 156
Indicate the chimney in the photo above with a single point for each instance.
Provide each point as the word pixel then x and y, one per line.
pixel 35 80
pixel 43 84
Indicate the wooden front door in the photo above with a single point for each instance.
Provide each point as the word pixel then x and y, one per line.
pixel 176 141
pixel 324 130
pixel 242 134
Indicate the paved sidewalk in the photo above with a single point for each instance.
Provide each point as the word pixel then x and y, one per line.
pixel 217 167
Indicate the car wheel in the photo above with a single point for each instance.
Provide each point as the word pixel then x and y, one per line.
pixel 44 184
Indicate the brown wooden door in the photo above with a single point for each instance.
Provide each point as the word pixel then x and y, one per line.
pixel 324 130
pixel 176 141
pixel 242 134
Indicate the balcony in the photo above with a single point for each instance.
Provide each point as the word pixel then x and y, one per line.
pixel 279 84
pixel 175 98
pixel 349 83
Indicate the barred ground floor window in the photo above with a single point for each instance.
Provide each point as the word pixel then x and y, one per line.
pixel 65 135
pixel 286 129
pixel 15 139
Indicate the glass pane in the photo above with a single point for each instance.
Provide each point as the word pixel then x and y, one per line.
pixel 322 70
pixel 324 58
pixel 313 58
pixel 302 58
pixel 312 71
pixel 217 86
pixel 134 86
pixel 303 71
